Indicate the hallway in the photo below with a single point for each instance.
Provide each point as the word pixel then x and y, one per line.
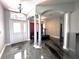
pixel 39 29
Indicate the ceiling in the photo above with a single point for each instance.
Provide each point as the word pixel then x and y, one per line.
pixel 28 5
pixel 51 2
pixel 53 14
pixel 57 12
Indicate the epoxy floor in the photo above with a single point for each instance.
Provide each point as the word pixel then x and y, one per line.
pixel 25 50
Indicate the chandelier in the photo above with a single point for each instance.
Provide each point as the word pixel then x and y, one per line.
pixel 20 8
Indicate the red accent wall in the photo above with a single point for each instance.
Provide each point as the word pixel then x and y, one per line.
pixel 31 27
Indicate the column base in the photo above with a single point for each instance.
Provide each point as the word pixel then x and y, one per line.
pixel 65 48
pixel 28 39
pixel 37 46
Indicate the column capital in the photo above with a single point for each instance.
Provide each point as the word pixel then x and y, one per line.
pixel 68 12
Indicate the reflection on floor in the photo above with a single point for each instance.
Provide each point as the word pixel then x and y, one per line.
pixel 25 50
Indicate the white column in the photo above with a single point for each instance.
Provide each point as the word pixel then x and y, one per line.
pixel 35 32
pixel 39 32
pixel 22 54
pixel 66 30
pixel 28 27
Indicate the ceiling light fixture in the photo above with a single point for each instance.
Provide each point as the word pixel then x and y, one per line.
pixel 20 8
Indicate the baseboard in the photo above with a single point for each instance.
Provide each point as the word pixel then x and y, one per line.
pixel 56 37
pixel 8 44
pixel 28 40
pixel 2 51
pixel 16 42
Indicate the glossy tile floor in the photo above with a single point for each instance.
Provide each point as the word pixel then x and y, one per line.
pixel 25 50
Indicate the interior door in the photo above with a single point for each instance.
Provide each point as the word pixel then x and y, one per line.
pixel 18 31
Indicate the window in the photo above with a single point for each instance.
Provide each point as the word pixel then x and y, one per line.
pixel 16 27
pixel 25 27
pixel 17 16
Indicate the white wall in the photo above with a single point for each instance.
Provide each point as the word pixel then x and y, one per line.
pixel 1 28
pixel 10 36
pixel 74 27
pixel 75 19
pixel 53 27
pixel 6 24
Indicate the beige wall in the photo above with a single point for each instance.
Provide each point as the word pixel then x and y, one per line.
pixel 53 27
